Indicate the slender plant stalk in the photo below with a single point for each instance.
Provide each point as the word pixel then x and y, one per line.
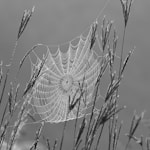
pixel 122 48
pixel 99 137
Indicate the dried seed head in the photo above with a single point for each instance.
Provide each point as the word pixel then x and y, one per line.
pixel 93 36
pixel 25 19
pixel 126 6
pixel 106 28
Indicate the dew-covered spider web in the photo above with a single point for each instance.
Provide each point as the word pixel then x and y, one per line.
pixel 64 89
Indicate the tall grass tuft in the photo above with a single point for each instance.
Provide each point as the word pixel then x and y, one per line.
pixel 88 135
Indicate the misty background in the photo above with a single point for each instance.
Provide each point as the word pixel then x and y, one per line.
pixel 57 21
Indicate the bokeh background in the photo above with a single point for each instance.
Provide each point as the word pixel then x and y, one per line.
pixel 58 21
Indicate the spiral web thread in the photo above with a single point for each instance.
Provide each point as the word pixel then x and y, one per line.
pixel 60 77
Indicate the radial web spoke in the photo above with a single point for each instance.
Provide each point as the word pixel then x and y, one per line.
pixel 44 102
pixel 58 113
pixel 47 95
pixel 64 60
pixel 93 72
pixel 88 75
pixel 83 65
pixel 64 110
pixel 57 59
pixel 47 81
pixel 51 77
pixel 72 54
pixel 46 108
pixel 49 61
pixel 48 116
pixel 46 88
pixel 52 117
pixel 79 50
pixel 55 70
pixel 50 64
pixel 89 64
pixel 85 49
pixel 92 79
pixel 39 100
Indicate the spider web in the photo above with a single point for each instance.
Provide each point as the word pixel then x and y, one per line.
pixel 79 61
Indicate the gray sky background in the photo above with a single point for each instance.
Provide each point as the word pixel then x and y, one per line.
pixel 59 21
